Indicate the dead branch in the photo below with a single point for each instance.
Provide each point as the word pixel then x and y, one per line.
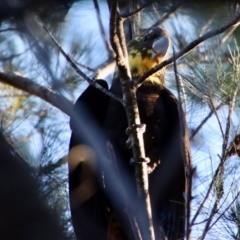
pixel 35 89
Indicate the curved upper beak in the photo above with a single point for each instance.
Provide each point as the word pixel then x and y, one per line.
pixel 160 47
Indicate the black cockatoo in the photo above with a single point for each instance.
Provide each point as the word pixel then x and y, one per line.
pixel 165 141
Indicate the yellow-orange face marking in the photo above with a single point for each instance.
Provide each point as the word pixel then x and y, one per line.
pixel 142 57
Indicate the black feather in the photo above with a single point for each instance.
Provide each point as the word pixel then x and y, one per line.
pixel 90 218
pixel 91 105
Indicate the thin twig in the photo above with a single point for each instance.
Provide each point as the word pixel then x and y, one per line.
pixel 197 129
pixel 128 15
pixel 195 90
pixel 78 71
pixel 221 215
pixel 213 211
pixel 229 118
pixel 84 66
pixel 8 29
pixel 219 191
pixel 155 11
pixel 183 93
pixel 207 194
pixel 216 114
pixel 187 49
pixel 105 39
pixel 223 40
pixel 177 80
pixel 208 23
pixel 167 15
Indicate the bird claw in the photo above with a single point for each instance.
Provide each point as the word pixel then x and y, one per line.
pixel 128 143
pixel 140 160
pixel 152 165
pixel 140 128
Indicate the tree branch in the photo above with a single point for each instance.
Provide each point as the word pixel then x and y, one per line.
pixel 117 38
pixel 187 49
pixel 35 89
